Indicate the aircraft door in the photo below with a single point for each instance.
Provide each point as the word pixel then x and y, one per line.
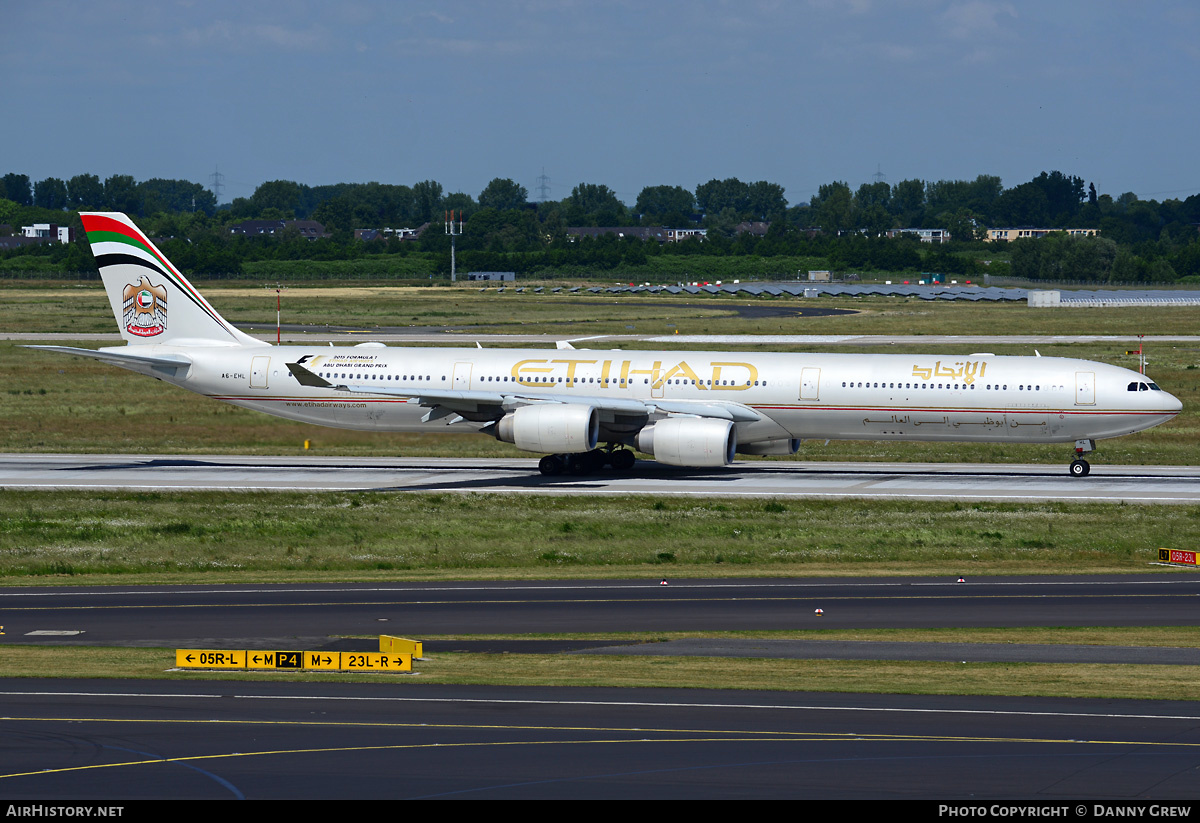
pixel 462 376
pixel 258 372
pixel 1085 388
pixel 656 382
pixel 810 384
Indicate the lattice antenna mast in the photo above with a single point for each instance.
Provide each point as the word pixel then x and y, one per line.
pixel 543 186
pixel 216 177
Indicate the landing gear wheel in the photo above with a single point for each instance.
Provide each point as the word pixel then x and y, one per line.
pixel 550 465
pixel 1080 468
pixel 622 460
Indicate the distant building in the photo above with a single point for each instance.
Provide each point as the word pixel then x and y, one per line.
pixel 49 232
pixel 679 235
pixel 309 229
pixel 1007 235
pixel 659 233
pixel 640 232
pixel 758 228
pixel 1043 299
pixel 367 235
pixel 924 235
pixel 491 275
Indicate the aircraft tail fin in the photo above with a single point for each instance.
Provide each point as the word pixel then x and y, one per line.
pixel 153 302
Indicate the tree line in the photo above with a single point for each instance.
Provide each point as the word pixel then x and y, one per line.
pixel 1140 240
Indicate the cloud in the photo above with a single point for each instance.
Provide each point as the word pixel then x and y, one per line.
pixel 253 36
pixel 466 47
pixel 894 51
pixel 975 18
pixel 856 7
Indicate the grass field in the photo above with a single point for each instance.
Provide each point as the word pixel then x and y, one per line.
pixel 863 676
pixel 240 536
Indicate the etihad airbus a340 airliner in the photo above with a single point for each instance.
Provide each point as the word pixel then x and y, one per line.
pixel 585 409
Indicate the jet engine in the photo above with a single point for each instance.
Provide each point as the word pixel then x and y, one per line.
pixel 556 428
pixel 689 441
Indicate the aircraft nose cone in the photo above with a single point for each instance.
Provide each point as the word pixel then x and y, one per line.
pixel 1172 403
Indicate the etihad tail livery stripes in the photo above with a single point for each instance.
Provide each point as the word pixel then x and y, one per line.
pixel 144 289
pixel 586 409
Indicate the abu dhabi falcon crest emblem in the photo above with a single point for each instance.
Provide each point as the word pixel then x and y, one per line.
pixel 144 308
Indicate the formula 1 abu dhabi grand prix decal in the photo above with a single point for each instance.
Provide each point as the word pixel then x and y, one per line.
pixel 144 308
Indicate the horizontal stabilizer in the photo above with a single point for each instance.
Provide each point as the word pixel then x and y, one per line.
pixel 172 364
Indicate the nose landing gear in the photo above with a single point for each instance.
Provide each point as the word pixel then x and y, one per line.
pixel 1079 466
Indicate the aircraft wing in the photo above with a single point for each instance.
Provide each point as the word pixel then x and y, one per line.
pixel 737 412
pixel 472 401
pixel 171 364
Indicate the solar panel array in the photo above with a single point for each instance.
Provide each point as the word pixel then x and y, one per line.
pixel 1097 297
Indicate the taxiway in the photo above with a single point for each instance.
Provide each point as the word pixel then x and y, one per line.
pixel 94 740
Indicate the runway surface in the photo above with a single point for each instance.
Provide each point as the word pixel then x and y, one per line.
pixel 96 740
pixel 799 479
pixel 308 616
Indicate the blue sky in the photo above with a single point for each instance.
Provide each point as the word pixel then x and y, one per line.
pixel 627 94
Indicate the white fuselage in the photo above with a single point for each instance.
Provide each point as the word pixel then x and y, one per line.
pixel 979 397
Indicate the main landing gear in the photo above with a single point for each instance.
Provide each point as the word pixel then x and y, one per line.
pixel 1079 466
pixel 586 462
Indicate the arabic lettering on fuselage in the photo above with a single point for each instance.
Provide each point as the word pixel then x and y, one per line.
pixel 966 371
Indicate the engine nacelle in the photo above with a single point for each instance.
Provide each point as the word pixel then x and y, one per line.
pixel 555 428
pixel 788 446
pixel 690 441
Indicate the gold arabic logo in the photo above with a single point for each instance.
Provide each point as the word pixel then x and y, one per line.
pixel 965 371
